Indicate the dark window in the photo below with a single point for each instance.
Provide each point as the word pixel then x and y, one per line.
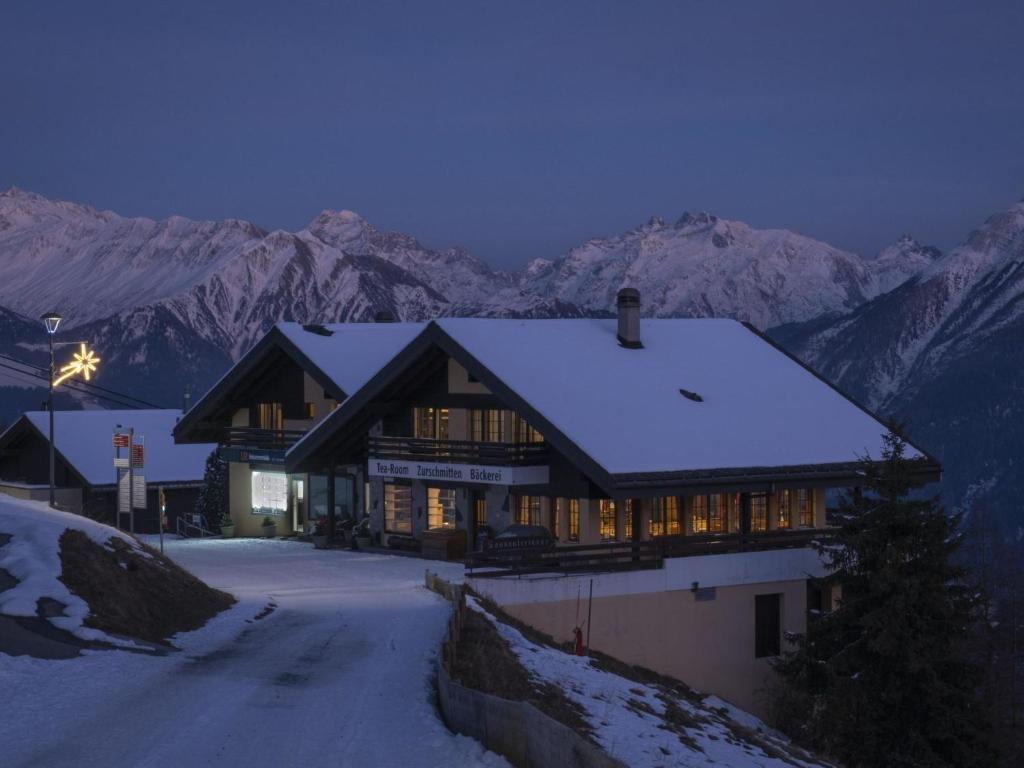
pixel 767 625
pixel 805 507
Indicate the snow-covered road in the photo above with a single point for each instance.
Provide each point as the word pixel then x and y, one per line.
pixel 339 674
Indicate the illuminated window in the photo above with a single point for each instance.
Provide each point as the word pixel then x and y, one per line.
pixel 430 423
pixel 574 519
pixel 759 511
pixel 269 493
pixel 270 416
pixel 397 508
pixel 664 516
pixel 607 517
pixel 805 507
pixel 785 499
pixel 557 507
pixel 528 510
pixel 524 433
pixel 629 519
pixel 709 513
pixel 487 425
pixel 440 507
pixel 480 512
pixel 310 410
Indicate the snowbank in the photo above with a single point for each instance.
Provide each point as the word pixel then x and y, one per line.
pixel 32 556
pixel 649 726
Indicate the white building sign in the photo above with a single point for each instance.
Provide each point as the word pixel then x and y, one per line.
pixel 457 473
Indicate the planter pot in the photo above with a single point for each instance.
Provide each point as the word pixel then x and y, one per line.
pixel 227 531
pixel 269 531
pixel 363 542
pixel 321 542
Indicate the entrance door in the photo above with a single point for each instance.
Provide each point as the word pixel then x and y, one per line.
pixel 297 495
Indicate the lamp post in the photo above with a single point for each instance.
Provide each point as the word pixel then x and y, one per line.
pixel 51 320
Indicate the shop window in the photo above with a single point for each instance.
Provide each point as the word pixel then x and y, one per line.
pixel 607 520
pixel 524 433
pixel 430 423
pixel 574 519
pixel 269 493
pixel 440 507
pixel 709 513
pixel 759 512
pixel 270 416
pixel 767 625
pixel 805 507
pixel 487 425
pixel 528 510
pixel 664 516
pixel 397 508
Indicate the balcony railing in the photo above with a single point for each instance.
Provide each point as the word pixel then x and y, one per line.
pixel 457 451
pixel 262 439
pixel 619 556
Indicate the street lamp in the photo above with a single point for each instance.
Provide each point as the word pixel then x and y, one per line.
pixel 52 321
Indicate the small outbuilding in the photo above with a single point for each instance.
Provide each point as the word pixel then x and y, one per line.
pixel 85 475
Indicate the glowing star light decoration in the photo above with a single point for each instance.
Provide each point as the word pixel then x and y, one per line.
pixel 84 362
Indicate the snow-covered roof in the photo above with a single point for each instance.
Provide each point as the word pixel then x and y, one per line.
pixel 623 407
pixel 84 439
pixel 352 352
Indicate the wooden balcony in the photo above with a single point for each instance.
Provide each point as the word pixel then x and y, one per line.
pixel 627 556
pixel 261 439
pixel 457 451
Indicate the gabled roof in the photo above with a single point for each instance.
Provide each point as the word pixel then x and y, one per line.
pixel 702 398
pixel 84 440
pixel 341 357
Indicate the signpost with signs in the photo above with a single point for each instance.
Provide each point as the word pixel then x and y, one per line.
pixel 131 478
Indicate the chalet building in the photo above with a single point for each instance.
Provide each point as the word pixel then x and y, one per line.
pixel 286 384
pixel 85 476
pixel 697 445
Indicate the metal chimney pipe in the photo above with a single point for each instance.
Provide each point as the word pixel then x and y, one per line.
pixel 628 303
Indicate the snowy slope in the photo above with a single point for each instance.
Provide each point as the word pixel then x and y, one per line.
pixel 630 720
pixel 942 352
pixel 32 556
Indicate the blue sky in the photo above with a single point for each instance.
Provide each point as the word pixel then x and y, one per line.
pixel 520 129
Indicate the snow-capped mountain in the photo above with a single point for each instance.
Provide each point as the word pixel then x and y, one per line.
pixel 184 298
pixel 943 351
pixel 702 265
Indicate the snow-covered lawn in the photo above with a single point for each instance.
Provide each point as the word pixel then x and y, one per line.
pixel 338 674
pixel 652 727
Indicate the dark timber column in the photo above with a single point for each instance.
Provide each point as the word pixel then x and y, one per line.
pixel 637 515
pixel 744 520
pixel 330 504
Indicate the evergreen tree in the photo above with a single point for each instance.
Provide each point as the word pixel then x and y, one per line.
pixel 884 678
pixel 213 496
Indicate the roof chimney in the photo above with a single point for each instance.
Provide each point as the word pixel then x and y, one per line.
pixel 384 316
pixel 628 302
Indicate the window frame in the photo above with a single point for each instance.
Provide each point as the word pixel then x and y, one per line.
pixel 393 518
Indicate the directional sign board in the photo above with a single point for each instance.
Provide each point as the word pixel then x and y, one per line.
pixel 139 491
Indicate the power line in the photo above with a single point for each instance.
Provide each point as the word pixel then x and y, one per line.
pixel 87 388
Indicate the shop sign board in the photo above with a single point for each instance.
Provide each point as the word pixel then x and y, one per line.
pixel 458 473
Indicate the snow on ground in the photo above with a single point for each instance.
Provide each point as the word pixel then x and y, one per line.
pixel 32 556
pixel 629 718
pixel 338 674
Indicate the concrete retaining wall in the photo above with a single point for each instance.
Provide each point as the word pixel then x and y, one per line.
pixel 518 731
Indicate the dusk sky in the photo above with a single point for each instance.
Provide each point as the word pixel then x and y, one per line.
pixel 521 129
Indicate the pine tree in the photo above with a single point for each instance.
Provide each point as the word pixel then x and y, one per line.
pixel 884 678
pixel 213 496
